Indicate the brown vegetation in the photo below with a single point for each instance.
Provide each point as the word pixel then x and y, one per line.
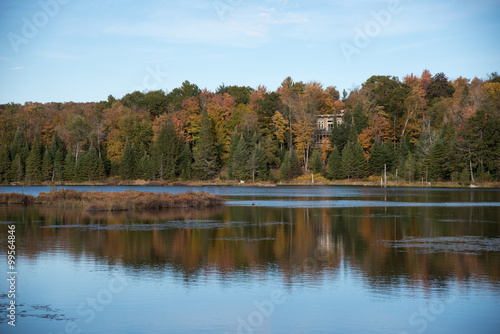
pixel 116 201
pixel 16 198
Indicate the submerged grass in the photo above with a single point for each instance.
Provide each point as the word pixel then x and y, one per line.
pixel 116 201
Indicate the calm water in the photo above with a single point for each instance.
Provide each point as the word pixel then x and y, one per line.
pixel 274 260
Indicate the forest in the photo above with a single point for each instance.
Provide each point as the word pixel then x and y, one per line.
pixel 425 127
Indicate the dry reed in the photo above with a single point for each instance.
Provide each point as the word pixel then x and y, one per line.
pixel 116 201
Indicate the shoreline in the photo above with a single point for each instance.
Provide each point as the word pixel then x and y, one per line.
pixel 298 182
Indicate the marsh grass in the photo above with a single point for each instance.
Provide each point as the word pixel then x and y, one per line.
pixel 116 201
pixel 16 198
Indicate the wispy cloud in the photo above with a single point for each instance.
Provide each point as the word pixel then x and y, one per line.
pixel 4 58
pixel 17 68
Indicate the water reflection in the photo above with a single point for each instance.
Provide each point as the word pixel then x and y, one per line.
pixel 387 246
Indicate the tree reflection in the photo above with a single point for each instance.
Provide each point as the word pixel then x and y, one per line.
pixel 298 243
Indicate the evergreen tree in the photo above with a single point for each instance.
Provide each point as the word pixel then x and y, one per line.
pixel 17 168
pixel 353 135
pixel 91 164
pixel 101 168
pixel 257 163
pixel 232 150
pixel 80 172
pixel 341 132
pixel 409 167
pixel 58 174
pixel 5 164
pixel 378 158
pixel 402 153
pixel 465 178
pixel 359 118
pixel 167 152
pixel 34 162
pixel 348 161
pixel 19 146
pixel 334 166
pixel 186 162
pixel 285 168
pixel 57 144
pixel 290 167
pixel 360 163
pixel 295 169
pixel 316 163
pixel 239 158
pixel 128 162
pixel 205 153
pixel 444 159
pixel 69 166
pixel 144 168
pixel 47 166
pixel 388 149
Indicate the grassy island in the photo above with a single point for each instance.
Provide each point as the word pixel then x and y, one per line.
pixel 116 201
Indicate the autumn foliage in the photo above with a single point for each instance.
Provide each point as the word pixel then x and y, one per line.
pixel 190 133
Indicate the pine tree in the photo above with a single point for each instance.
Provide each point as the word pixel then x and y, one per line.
pixel 444 160
pixel 186 162
pixel 91 164
pixel 388 149
pixel 340 132
pixel 69 166
pixel 377 158
pixel 402 152
pixel 101 169
pixel 348 161
pixel 57 144
pixel 359 118
pixel 167 152
pixel 360 164
pixel 144 167
pixel 239 158
pixel 80 174
pixel 257 163
pixel 17 168
pixel 334 166
pixel 128 162
pixel 19 146
pixel 59 165
pixel 47 166
pixel 5 164
pixel 285 168
pixel 295 169
pixel 205 153
pixel 408 170
pixel 316 163
pixel 34 162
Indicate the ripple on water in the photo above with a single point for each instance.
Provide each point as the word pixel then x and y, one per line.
pixel 460 244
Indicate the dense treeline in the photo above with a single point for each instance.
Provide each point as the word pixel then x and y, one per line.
pixel 426 127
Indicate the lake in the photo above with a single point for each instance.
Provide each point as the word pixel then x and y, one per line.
pixel 273 260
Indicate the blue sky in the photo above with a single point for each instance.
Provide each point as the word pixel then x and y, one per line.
pixel 81 51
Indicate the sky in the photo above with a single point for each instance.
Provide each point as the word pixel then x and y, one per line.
pixel 85 50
